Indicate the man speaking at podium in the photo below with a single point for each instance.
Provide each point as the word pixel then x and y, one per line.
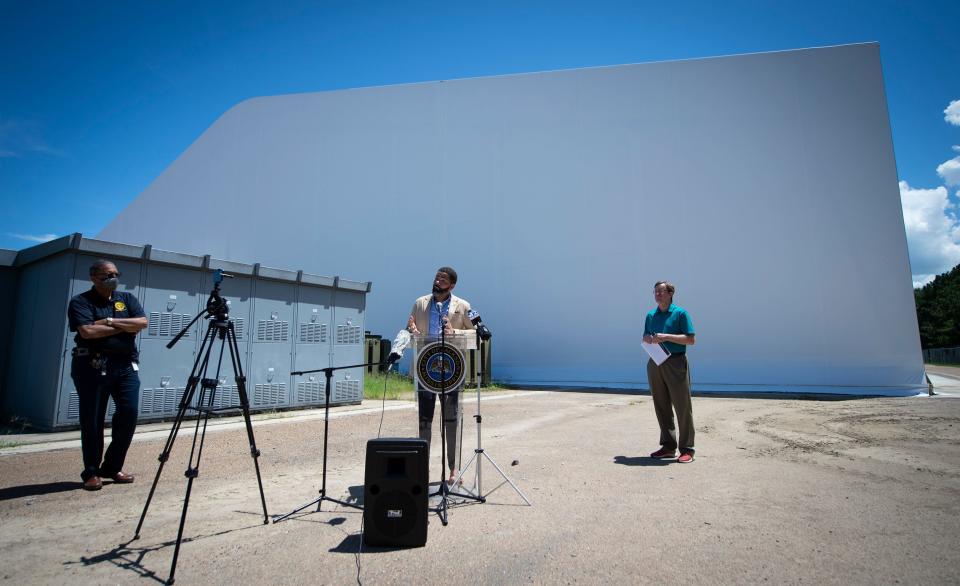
pixel 441 309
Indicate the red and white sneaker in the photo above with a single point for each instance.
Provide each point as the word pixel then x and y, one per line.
pixel 685 458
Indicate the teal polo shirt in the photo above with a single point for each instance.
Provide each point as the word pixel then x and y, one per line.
pixel 675 320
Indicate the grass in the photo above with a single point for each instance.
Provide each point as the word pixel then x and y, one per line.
pixel 13 425
pixel 398 386
pixel 4 445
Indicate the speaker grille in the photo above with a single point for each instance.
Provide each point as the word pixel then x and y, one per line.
pixel 395 513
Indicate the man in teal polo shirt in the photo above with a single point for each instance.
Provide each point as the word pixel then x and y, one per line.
pixel 670 326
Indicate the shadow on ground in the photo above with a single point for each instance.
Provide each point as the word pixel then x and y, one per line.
pixel 131 558
pixel 16 492
pixel 640 461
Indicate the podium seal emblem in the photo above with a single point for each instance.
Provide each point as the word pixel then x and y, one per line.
pixel 440 368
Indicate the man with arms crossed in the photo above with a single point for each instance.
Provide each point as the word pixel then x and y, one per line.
pixel 105 365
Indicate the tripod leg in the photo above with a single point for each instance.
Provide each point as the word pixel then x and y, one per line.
pixel 204 405
pixel 245 405
pixel 475 492
pixel 442 509
pixel 191 473
pixel 183 520
pixel 199 365
pixel 510 482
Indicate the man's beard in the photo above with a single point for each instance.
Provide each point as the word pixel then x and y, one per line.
pixel 438 291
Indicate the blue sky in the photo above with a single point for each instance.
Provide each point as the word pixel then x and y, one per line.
pixel 98 98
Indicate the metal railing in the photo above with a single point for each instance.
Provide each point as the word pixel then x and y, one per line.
pixel 942 355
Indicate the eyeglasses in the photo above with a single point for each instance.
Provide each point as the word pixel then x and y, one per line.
pixel 108 275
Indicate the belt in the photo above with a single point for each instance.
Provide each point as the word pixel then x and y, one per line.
pixel 78 351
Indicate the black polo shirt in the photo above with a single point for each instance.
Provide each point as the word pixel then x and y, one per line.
pixel 90 306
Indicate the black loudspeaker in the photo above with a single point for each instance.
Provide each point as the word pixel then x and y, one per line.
pixel 395 493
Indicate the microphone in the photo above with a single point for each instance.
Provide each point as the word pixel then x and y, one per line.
pixel 443 316
pixel 400 344
pixel 484 331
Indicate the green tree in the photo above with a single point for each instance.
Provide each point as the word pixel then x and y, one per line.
pixel 938 310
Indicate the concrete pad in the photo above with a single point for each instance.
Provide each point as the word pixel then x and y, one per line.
pixel 858 491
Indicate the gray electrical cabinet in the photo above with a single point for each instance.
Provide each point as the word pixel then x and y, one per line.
pixel 273 342
pixel 314 318
pixel 171 298
pixel 284 321
pixel 348 340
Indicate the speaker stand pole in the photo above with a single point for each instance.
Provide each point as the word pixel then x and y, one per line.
pixel 444 491
pixel 480 452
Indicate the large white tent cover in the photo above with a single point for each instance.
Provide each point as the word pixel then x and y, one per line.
pixel 764 186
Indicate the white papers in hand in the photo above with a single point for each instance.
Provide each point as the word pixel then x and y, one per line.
pixel 657 353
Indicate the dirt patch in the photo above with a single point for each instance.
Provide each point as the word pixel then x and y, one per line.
pixel 845 492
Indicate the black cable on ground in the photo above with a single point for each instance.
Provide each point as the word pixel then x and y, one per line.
pixel 383 410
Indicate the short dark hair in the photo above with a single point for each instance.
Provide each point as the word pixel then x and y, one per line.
pixel 670 288
pixel 98 265
pixel 450 273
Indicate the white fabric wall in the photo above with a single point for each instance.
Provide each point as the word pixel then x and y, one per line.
pixel 763 185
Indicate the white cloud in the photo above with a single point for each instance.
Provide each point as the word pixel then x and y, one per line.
pixel 34 237
pixel 20 137
pixel 952 113
pixel 950 170
pixel 933 231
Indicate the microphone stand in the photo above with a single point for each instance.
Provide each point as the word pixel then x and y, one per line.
pixel 328 373
pixel 444 491
pixel 479 452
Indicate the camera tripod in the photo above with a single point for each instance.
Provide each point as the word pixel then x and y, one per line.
pixel 219 326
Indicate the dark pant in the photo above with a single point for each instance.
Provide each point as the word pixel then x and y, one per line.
pixel 670 388
pixel 94 387
pixel 451 417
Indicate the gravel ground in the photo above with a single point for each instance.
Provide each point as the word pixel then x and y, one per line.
pixel 858 491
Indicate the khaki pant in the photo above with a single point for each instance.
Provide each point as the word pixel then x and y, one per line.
pixel 670 387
